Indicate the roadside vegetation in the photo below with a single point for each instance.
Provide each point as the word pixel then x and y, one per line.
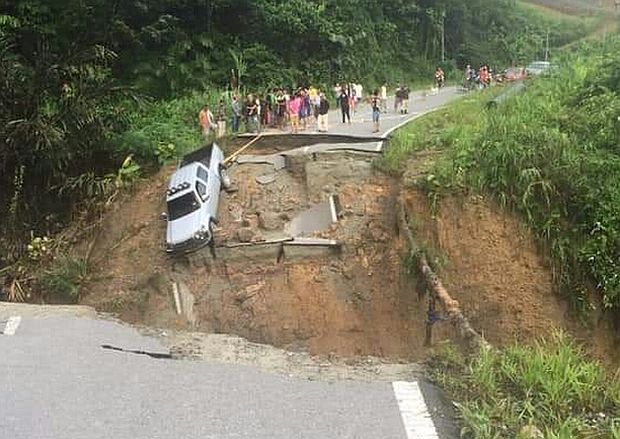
pixel 552 155
pixel 547 389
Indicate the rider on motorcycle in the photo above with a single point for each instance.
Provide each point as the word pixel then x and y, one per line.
pixel 440 78
pixel 470 77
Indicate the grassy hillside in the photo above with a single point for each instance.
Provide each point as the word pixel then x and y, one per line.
pixel 552 154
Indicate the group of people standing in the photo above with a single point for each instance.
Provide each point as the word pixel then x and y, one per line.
pixel 305 108
pixel 349 96
pixel 278 109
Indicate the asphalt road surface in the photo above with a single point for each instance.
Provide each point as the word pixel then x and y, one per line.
pixel 420 103
pixel 82 378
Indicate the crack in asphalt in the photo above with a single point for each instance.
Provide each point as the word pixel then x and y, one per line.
pixel 156 355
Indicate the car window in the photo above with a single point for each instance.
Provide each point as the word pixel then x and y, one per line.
pixel 202 190
pixel 183 205
pixel 202 174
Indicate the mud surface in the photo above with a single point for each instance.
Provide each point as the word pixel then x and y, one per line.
pixel 359 301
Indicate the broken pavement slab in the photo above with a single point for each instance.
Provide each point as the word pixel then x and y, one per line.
pixel 366 147
pixel 253 252
pixel 266 178
pixel 277 160
pixel 187 301
pixel 307 248
pixel 271 251
pixel 315 219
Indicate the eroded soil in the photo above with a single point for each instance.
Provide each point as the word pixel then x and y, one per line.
pixel 490 263
pixel 357 301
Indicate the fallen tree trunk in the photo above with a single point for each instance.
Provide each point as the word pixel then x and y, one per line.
pixel 434 285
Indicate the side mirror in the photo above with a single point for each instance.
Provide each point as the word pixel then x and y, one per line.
pixel 163 216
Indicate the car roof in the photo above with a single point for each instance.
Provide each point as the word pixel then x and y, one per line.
pixel 186 174
pixel 202 155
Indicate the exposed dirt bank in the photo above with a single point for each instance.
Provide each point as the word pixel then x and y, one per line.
pixel 491 264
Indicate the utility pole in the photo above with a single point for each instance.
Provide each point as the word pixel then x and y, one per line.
pixel 443 36
pixel 547 47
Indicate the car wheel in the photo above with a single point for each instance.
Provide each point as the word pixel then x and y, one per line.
pixel 211 244
pixel 226 183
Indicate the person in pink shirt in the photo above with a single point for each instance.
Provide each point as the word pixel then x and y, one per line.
pixel 294 106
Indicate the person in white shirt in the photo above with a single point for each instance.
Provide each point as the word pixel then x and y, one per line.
pixel 358 91
pixel 384 97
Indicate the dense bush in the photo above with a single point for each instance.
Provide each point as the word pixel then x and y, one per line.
pixel 553 154
pixel 154 125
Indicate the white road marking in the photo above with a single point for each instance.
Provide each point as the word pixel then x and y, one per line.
pixel 11 325
pixel 414 115
pixel 413 410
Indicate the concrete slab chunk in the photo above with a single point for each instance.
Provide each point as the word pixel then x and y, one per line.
pixel 266 178
pixel 310 248
pixel 315 219
pixel 277 160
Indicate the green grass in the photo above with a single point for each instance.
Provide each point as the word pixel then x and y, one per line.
pixel 439 130
pixel 551 385
pixel 63 280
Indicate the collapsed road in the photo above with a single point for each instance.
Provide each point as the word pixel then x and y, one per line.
pixel 353 308
pixel 307 254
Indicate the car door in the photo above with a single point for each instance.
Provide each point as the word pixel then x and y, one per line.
pixel 215 177
pixel 208 183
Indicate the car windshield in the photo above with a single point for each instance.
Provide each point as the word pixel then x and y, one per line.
pixel 183 205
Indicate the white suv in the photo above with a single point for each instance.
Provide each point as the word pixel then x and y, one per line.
pixel 192 199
